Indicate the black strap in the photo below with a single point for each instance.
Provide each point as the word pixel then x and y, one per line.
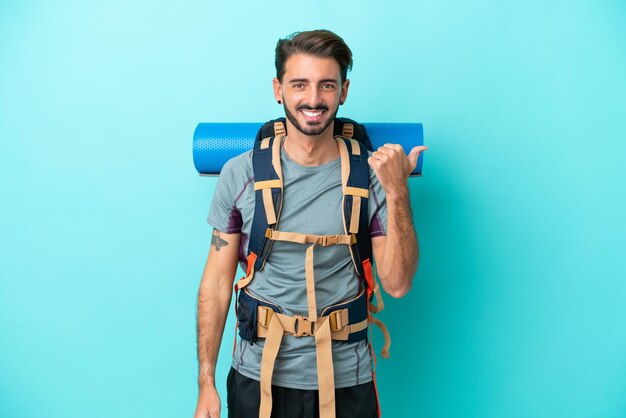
pixel 263 170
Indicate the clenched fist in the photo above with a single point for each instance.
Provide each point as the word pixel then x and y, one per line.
pixel 392 166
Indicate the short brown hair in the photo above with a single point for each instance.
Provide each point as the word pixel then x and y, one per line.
pixel 320 43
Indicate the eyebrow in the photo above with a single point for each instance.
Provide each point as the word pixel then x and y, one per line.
pixel 306 80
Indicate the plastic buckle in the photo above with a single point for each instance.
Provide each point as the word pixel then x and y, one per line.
pixel 304 327
pixel 348 130
pixel 265 319
pixel 328 240
pixel 335 319
pixel 279 129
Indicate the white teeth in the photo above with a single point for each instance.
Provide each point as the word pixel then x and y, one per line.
pixel 311 113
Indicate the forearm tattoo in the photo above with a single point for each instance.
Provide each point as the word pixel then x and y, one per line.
pixel 218 241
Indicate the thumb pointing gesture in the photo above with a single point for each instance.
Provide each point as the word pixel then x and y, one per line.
pixel 392 166
pixel 414 155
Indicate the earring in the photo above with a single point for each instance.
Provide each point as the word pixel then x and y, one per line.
pixel 280 102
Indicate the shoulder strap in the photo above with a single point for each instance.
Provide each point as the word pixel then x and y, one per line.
pixel 268 188
pixel 355 188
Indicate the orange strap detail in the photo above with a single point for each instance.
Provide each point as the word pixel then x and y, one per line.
pixel 380 304
pixel 369 277
pixel 241 284
pixel 251 260
pixel 245 281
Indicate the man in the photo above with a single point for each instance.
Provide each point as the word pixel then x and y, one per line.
pixel 311 84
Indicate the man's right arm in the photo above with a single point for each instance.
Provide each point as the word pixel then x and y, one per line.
pixel 213 302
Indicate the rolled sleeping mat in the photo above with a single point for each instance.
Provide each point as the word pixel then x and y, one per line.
pixel 216 143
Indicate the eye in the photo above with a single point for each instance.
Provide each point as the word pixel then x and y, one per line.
pixel 328 86
pixel 298 86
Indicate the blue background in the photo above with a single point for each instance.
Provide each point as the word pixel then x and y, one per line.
pixel 518 307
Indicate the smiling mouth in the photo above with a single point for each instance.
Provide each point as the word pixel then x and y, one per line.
pixel 312 115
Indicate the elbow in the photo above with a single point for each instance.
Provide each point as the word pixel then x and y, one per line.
pixel 399 292
pixel 398 285
pixel 399 289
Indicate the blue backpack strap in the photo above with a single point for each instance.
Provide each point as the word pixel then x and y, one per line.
pixel 355 187
pixel 268 189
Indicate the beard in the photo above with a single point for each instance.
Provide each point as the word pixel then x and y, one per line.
pixel 311 129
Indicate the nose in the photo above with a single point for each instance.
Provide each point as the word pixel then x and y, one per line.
pixel 313 97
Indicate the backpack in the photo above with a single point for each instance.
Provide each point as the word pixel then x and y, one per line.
pixel 344 321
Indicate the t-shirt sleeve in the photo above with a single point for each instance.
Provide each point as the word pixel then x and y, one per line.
pixel 224 214
pixel 377 208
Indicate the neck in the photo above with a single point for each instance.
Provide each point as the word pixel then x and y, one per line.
pixel 310 150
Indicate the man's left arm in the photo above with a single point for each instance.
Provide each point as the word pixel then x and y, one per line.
pixel 397 253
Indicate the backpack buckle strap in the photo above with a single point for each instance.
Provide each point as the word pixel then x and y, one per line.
pixel 264 316
pixel 301 238
pixel 348 130
pixel 297 325
pixel 328 240
pixel 279 129
pixel 304 327
pixel 337 239
pixel 338 319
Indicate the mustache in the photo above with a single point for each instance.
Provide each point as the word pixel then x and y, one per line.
pixel 307 107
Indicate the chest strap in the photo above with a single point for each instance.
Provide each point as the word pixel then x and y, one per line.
pixel 321 240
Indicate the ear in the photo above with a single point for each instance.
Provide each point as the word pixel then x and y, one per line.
pixel 344 92
pixel 278 90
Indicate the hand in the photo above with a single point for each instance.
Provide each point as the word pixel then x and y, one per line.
pixel 209 404
pixel 392 166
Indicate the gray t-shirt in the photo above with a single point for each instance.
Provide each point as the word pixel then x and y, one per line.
pixel 311 204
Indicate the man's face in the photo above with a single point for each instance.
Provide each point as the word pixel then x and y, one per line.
pixel 311 92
